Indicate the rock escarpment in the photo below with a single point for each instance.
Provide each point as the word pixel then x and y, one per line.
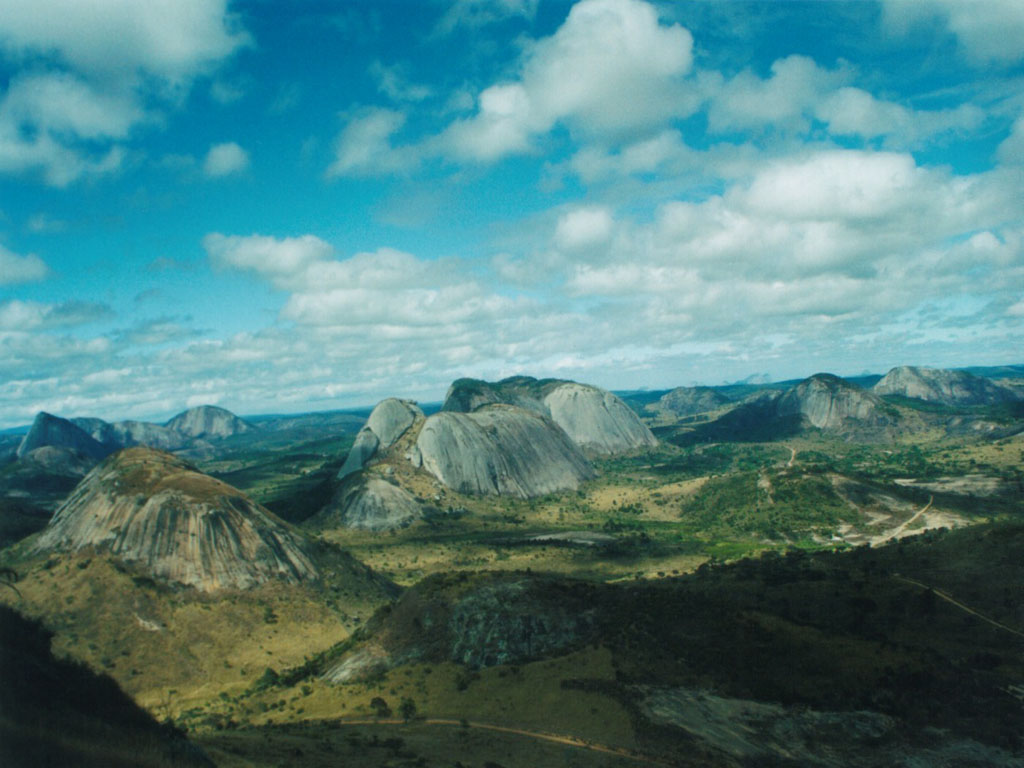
pixel 208 421
pixel 500 449
pixel 388 421
pixel 947 387
pixel 595 419
pixel 831 403
pixel 153 509
pixel 688 401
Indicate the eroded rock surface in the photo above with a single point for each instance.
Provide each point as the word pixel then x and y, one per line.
pixel 831 403
pixel 502 450
pixel 208 421
pixel 371 503
pixel 595 419
pixel 153 509
pixel 389 420
pixel 948 387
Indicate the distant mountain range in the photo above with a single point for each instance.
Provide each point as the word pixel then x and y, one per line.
pixel 97 438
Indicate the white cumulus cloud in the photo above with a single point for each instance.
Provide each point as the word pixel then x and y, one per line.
pixel 21 269
pixel 612 70
pixel 225 159
pixel 584 228
pixel 989 31
pixel 92 72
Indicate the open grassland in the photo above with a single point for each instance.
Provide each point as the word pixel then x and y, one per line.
pixel 665 512
pixel 173 648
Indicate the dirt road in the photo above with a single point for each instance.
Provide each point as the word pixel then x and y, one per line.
pixel 555 738
pixel 953 601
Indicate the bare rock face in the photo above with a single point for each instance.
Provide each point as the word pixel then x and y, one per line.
pixel 208 421
pixel 595 419
pixel 124 434
pixel 831 403
pixel 389 420
pixel 687 401
pixel 155 510
pixel 370 503
pixel 500 449
pixel 939 385
pixel 362 450
pixel 50 430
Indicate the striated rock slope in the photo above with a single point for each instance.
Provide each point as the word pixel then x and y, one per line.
pixel 388 421
pixel 831 403
pixel 595 419
pixel 50 430
pixel 687 401
pixel 948 387
pixel 500 449
pixel 208 421
pixel 153 509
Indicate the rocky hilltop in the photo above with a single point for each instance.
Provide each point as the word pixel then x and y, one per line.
pixel 482 621
pixel 96 438
pixel 50 430
pixel 208 421
pixel 595 419
pixel 688 401
pixel 828 402
pixel 500 449
pixel 388 421
pixel 947 387
pixel 153 509
pixel 371 503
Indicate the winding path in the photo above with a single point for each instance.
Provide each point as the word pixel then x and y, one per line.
pixel 571 741
pixel 953 601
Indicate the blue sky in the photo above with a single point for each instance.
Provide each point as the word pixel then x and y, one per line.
pixel 282 207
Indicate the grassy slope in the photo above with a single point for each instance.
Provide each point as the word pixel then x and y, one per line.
pixel 172 648
pixel 56 712
pixel 829 631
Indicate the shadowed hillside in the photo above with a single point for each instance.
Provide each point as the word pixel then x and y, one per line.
pixel 57 713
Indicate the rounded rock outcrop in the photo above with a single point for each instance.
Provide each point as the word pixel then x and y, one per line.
pixel 502 450
pixel 389 420
pixel 155 510
pixel 208 421
pixel 831 403
pixel 597 420
pixel 370 503
pixel 947 387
